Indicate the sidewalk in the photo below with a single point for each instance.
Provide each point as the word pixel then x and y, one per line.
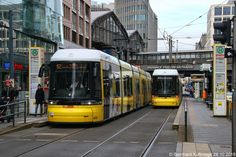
pixel 19 123
pixel 210 136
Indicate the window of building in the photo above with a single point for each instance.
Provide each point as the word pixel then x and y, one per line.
pixel 144 36
pixel 74 36
pixel 81 40
pixel 66 11
pixel 232 10
pixel 87 29
pixel 87 43
pixel 81 26
pixel 81 7
pixel 66 32
pixel 218 10
pixel 226 11
pixel 226 18
pixel 87 11
pixel 141 17
pixel 5 15
pixel 75 3
pixel 217 19
pixel 74 17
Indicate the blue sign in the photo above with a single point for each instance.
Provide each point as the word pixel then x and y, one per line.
pixel 6 65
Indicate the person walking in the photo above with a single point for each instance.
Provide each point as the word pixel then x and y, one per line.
pixel 39 97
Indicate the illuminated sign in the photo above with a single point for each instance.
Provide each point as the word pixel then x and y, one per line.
pixel 6 65
pixel 63 66
pixel 18 66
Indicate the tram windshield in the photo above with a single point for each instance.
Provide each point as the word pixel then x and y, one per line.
pixel 165 85
pixel 75 82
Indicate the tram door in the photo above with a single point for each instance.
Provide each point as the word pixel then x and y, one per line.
pixel 107 84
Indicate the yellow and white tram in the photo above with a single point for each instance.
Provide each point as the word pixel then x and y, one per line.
pixel 90 86
pixel 166 88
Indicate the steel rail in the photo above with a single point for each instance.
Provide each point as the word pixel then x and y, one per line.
pixel 50 142
pixel 156 135
pixel 117 133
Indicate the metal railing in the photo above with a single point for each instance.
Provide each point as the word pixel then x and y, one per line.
pixel 12 110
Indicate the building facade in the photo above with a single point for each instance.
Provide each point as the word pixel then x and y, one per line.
pixel 217 13
pixel 77 23
pixel 138 15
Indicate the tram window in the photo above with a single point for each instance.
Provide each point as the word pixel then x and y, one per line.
pixel 125 82
pixel 75 81
pixel 114 79
pixel 130 86
pixel 165 86
pixel 117 87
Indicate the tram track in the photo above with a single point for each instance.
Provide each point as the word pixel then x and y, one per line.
pixel 64 137
pixel 53 141
pixel 120 131
pixel 156 135
pixel 149 145
pixel 144 131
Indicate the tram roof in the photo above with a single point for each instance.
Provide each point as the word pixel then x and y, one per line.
pixel 83 55
pixel 165 72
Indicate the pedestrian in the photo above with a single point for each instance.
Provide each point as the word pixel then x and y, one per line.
pixel 39 97
pixel 8 97
pixel 192 92
pixel 204 94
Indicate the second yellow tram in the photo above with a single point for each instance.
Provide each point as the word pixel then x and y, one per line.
pixel 166 88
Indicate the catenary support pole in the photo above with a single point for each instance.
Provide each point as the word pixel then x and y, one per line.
pixel 234 85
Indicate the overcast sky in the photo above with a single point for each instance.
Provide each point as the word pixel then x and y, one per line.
pixel 174 15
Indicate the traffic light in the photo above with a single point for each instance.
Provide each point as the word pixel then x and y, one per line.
pixel 225 32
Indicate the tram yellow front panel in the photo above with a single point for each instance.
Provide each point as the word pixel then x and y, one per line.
pixel 165 101
pixel 75 114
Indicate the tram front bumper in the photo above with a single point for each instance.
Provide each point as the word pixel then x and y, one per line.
pixel 165 101
pixel 75 114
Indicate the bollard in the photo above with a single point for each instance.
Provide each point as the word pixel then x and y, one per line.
pixel 185 122
pixel 18 108
pixel 25 111
pixel 13 116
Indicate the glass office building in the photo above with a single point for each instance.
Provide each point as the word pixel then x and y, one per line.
pixel 42 18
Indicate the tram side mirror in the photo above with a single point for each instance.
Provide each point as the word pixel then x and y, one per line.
pixel 43 71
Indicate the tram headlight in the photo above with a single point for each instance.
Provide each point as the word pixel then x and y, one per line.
pixel 52 102
pixel 51 114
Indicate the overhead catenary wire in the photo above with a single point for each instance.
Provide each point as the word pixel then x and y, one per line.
pixel 189 23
